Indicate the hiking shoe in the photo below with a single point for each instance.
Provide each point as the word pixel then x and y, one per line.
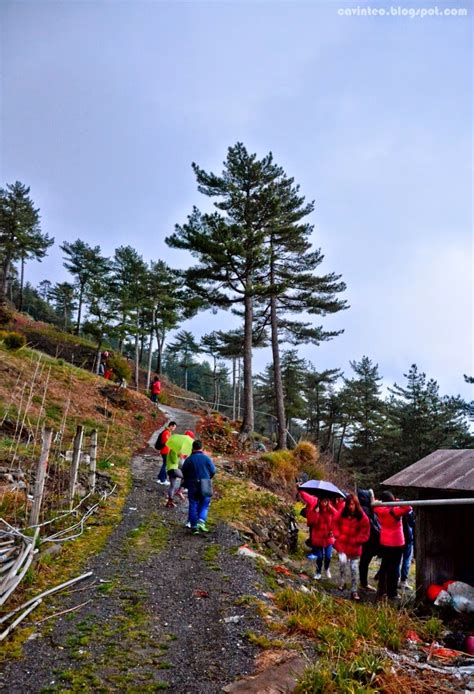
pixel 317 576
pixel 369 589
pixel 342 586
pixel 164 484
pixel 202 527
pixel 187 524
pixel 328 574
pixel 355 596
pixel 194 531
pixel 311 556
pixel 404 585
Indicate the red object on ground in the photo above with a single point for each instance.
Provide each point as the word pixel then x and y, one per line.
pixel 446 584
pixel 469 645
pixel 413 636
pixel 198 593
pixel 433 591
pixel 282 570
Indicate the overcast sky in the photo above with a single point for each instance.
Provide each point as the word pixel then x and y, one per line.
pixel 106 104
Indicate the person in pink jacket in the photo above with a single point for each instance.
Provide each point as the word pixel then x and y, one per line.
pixel 320 518
pixel 392 542
pixel 352 530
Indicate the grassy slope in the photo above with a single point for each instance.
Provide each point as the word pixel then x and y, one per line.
pixel 37 390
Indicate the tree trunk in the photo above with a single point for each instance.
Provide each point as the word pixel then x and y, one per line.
pixel 79 309
pixel 97 357
pixel 239 388
pixel 234 390
pixel 160 339
pixel 137 353
pixel 150 357
pixel 248 415
pixel 214 379
pixel 22 278
pixel 4 282
pixel 339 450
pixel 279 398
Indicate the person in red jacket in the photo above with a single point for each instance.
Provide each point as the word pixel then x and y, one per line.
pixel 392 542
pixel 320 518
pixel 352 530
pixel 155 389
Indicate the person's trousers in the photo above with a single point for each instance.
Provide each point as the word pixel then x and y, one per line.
pixel 198 508
pixel 175 483
pixel 322 554
pixel 353 563
pixel 389 571
pixel 406 561
pixel 162 473
pixel 369 551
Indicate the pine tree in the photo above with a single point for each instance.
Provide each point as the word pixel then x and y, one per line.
pixel 229 244
pixel 423 421
pixel 63 295
pixel 318 387
pixel 293 286
pixel 20 234
pixel 85 263
pixel 364 415
pixel 186 347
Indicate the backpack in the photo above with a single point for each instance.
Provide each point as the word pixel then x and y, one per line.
pixel 160 442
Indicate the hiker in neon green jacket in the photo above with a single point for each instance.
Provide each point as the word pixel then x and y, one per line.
pixel 180 446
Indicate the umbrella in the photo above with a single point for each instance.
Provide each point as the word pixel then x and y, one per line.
pixel 321 488
pixel 180 444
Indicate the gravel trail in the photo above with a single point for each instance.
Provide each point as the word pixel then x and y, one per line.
pixel 166 608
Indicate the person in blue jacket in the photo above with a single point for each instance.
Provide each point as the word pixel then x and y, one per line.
pixel 198 470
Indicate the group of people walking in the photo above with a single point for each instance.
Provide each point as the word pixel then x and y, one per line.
pixel 180 471
pixel 359 532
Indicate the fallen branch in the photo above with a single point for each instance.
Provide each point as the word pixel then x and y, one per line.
pixel 42 595
pixel 19 619
pixel 58 614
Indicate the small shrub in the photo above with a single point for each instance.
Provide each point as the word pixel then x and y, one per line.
pixel 6 314
pixel 120 367
pixel 14 341
pixel 306 453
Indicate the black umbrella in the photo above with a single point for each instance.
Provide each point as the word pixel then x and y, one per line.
pixel 321 488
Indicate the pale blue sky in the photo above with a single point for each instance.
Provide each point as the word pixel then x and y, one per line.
pixel 106 104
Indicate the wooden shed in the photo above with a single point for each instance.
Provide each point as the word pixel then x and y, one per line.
pixel 444 540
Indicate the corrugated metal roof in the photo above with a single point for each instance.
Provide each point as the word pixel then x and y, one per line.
pixel 443 469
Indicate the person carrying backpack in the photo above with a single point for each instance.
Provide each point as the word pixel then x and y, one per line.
pixel 198 470
pixel 161 446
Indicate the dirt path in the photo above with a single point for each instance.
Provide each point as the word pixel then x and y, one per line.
pixel 159 601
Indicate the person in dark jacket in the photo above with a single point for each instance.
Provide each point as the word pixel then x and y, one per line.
pixel 371 548
pixel 408 521
pixel 197 467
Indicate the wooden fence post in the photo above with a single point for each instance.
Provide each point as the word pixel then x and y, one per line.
pixel 40 476
pixel 76 457
pixel 93 460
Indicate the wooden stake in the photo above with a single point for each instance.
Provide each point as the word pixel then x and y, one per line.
pixel 93 460
pixel 76 456
pixel 41 476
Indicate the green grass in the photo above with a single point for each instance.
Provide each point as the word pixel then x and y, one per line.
pixel 150 537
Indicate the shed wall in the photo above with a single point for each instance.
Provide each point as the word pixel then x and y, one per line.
pixel 444 545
